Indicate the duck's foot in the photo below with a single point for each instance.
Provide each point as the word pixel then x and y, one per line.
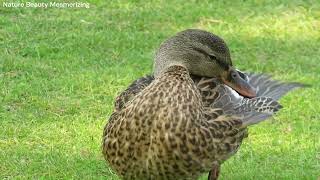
pixel 214 173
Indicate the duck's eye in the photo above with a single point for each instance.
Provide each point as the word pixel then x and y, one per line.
pixel 233 75
pixel 212 57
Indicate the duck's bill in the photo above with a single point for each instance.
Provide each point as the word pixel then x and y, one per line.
pixel 239 84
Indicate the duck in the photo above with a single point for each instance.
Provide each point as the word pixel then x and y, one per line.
pixel 191 115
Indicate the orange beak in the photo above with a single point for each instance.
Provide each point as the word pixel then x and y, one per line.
pixel 236 82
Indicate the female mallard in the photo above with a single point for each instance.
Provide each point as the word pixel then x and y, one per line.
pixel 187 120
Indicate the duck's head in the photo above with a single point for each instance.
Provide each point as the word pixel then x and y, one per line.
pixel 203 54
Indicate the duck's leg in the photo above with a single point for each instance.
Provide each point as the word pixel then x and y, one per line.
pixel 214 173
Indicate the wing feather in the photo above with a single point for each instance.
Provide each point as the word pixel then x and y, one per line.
pixel 219 96
pixel 271 88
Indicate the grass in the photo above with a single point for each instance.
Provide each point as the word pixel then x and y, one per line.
pixel 60 70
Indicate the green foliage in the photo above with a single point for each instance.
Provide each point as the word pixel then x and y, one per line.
pixel 60 70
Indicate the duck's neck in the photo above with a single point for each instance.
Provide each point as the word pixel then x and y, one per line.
pixel 164 61
pixel 177 94
pixel 177 69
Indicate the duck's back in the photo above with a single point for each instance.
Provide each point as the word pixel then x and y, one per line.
pixel 146 139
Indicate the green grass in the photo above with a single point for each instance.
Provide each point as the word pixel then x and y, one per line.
pixel 60 70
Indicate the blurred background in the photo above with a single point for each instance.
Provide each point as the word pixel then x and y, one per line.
pixel 61 69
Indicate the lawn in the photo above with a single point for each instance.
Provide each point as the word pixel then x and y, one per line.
pixel 60 70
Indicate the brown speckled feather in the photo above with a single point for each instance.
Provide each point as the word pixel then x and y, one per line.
pixel 136 87
pixel 177 127
pixel 215 94
pixel 162 132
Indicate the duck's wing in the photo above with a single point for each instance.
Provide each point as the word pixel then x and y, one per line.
pixel 265 86
pixel 133 89
pixel 216 95
pixel 228 114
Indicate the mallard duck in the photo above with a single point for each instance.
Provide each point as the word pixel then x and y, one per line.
pixel 191 116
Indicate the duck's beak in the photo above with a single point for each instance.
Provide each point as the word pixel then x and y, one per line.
pixel 233 79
